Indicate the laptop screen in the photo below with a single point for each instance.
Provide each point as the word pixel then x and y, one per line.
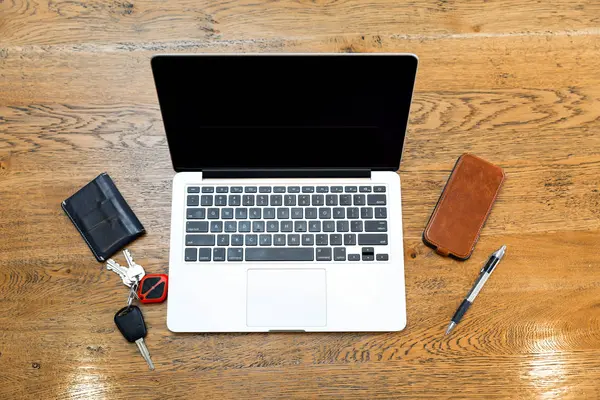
pixel 285 111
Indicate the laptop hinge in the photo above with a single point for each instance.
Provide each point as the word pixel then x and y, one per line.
pixel 285 173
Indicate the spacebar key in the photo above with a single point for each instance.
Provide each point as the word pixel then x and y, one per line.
pixel 280 254
pixel 373 239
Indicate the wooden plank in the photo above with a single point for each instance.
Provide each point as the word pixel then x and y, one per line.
pixel 111 74
pixel 129 21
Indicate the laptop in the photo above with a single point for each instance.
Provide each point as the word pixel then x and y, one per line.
pixel 286 212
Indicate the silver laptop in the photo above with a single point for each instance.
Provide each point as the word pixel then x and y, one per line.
pixel 286 211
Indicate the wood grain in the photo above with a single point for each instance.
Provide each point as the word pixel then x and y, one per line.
pixel 514 82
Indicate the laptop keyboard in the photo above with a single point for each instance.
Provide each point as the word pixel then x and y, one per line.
pixel 286 223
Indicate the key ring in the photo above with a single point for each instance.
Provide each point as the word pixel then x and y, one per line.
pixel 132 293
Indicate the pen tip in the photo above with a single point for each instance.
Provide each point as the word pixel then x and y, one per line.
pixel 450 327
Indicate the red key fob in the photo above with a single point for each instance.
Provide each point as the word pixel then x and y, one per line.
pixel 153 288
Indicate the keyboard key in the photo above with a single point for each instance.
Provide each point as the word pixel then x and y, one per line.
pixel 350 189
pixel 357 226
pixel 339 213
pixel 314 226
pixel 353 257
pixel 221 200
pixel 380 212
pixel 283 213
pixel 222 240
pixel 342 226
pixel 195 213
pixel 366 212
pixel 352 213
pixel 218 254
pixel 248 200
pixel 262 200
pixel 345 200
pixel 375 226
pixel 289 200
pixel 286 226
pixel 269 213
pixel 227 213
pixel 364 189
pixel 310 213
pixel 308 189
pixel 321 239
pixel 273 226
pixel 255 213
pixel 241 213
pixel 230 226
pixel 236 189
pixel 299 226
pixel 308 239
pixel 276 200
pixel 359 199
pixel 238 240
pixel 323 254
pixel 264 189
pixel 318 199
pixel 382 257
pixel 350 239
pixel 265 239
pixel 193 189
pixel 222 189
pixel 252 240
pixel 328 226
pixel 279 240
pixel 379 189
pixel 297 213
pixel 280 254
pixel 234 254
pixel 339 254
pixel 234 199
pixel 376 199
pixel 208 189
pixel 325 213
pixel 196 226
pixel 216 226
pixel 293 239
pixel 293 189
pixel 213 213
pixel 204 254
pixel 191 254
pixel 258 226
pixel 244 226
pixel 373 239
pixel 337 189
pixel 206 200
pixel 199 240
pixel 250 189
pixel 279 189
pixel 304 200
pixel 335 239
pixel 368 257
pixel 322 189
pixel 192 200
pixel 331 199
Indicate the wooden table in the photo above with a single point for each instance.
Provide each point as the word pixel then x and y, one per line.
pixel 515 82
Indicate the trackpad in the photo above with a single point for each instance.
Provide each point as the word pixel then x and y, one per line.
pixel 286 298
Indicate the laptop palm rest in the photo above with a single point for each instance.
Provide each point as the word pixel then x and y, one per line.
pixel 286 298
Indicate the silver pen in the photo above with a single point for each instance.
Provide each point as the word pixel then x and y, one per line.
pixel 485 273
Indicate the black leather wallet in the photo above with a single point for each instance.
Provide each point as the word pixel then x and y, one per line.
pixel 103 217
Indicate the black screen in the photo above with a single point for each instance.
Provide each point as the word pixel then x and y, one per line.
pixel 285 111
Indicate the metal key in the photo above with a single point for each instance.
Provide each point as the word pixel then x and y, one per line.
pixel 135 271
pixel 112 265
pixel 130 322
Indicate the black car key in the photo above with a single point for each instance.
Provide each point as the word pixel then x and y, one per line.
pixel 130 322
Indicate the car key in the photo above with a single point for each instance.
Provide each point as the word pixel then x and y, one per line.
pixel 112 265
pixel 153 288
pixel 130 322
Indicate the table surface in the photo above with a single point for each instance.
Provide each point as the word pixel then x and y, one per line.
pixel 515 82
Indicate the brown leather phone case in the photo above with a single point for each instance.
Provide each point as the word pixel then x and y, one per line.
pixel 463 207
